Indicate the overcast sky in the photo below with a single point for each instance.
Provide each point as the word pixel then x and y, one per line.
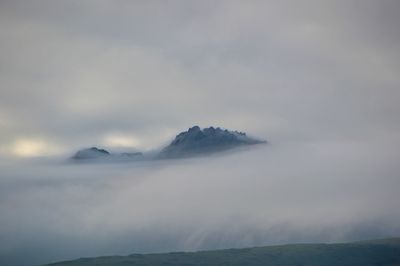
pixel 133 73
pixel 320 80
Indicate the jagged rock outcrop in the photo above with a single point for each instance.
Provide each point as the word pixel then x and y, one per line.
pixel 197 141
pixel 193 142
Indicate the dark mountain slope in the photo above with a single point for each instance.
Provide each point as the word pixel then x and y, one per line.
pixel 196 141
pixel 368 253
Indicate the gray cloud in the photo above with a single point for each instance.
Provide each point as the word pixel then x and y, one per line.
pixel 74 71
pixel 278 193
pixel 318 79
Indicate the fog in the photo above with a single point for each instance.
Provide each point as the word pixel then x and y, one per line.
pixel 269 194
pixel 318 79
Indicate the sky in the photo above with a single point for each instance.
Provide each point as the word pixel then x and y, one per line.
pixel 134 73
pixel 318 79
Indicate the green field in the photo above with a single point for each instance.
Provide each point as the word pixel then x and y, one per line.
pixel 365 253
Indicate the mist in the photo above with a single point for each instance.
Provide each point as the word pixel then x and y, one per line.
pixel 285 192
pixel 319 80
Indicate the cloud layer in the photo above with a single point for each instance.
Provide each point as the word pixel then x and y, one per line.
pixel 75 73
pixel 271 194
pixel 318 79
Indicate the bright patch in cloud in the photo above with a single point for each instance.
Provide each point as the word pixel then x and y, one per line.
pixel 31 148
pixel 121 141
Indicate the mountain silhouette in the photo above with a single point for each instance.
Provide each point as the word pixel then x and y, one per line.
pixel 198 141
pixel 193 142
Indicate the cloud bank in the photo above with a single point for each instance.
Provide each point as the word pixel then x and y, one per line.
pixel 269 194
pixel 318 79
pixel 76 74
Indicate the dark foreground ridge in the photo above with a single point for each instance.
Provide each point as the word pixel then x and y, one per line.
pixel 196 141
pixel 189 143
pixel 368 253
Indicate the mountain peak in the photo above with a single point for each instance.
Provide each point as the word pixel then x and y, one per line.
pixel 197 141
pixel 90 153
pixel 194 141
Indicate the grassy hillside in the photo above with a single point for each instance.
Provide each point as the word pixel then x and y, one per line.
pixel 365 253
